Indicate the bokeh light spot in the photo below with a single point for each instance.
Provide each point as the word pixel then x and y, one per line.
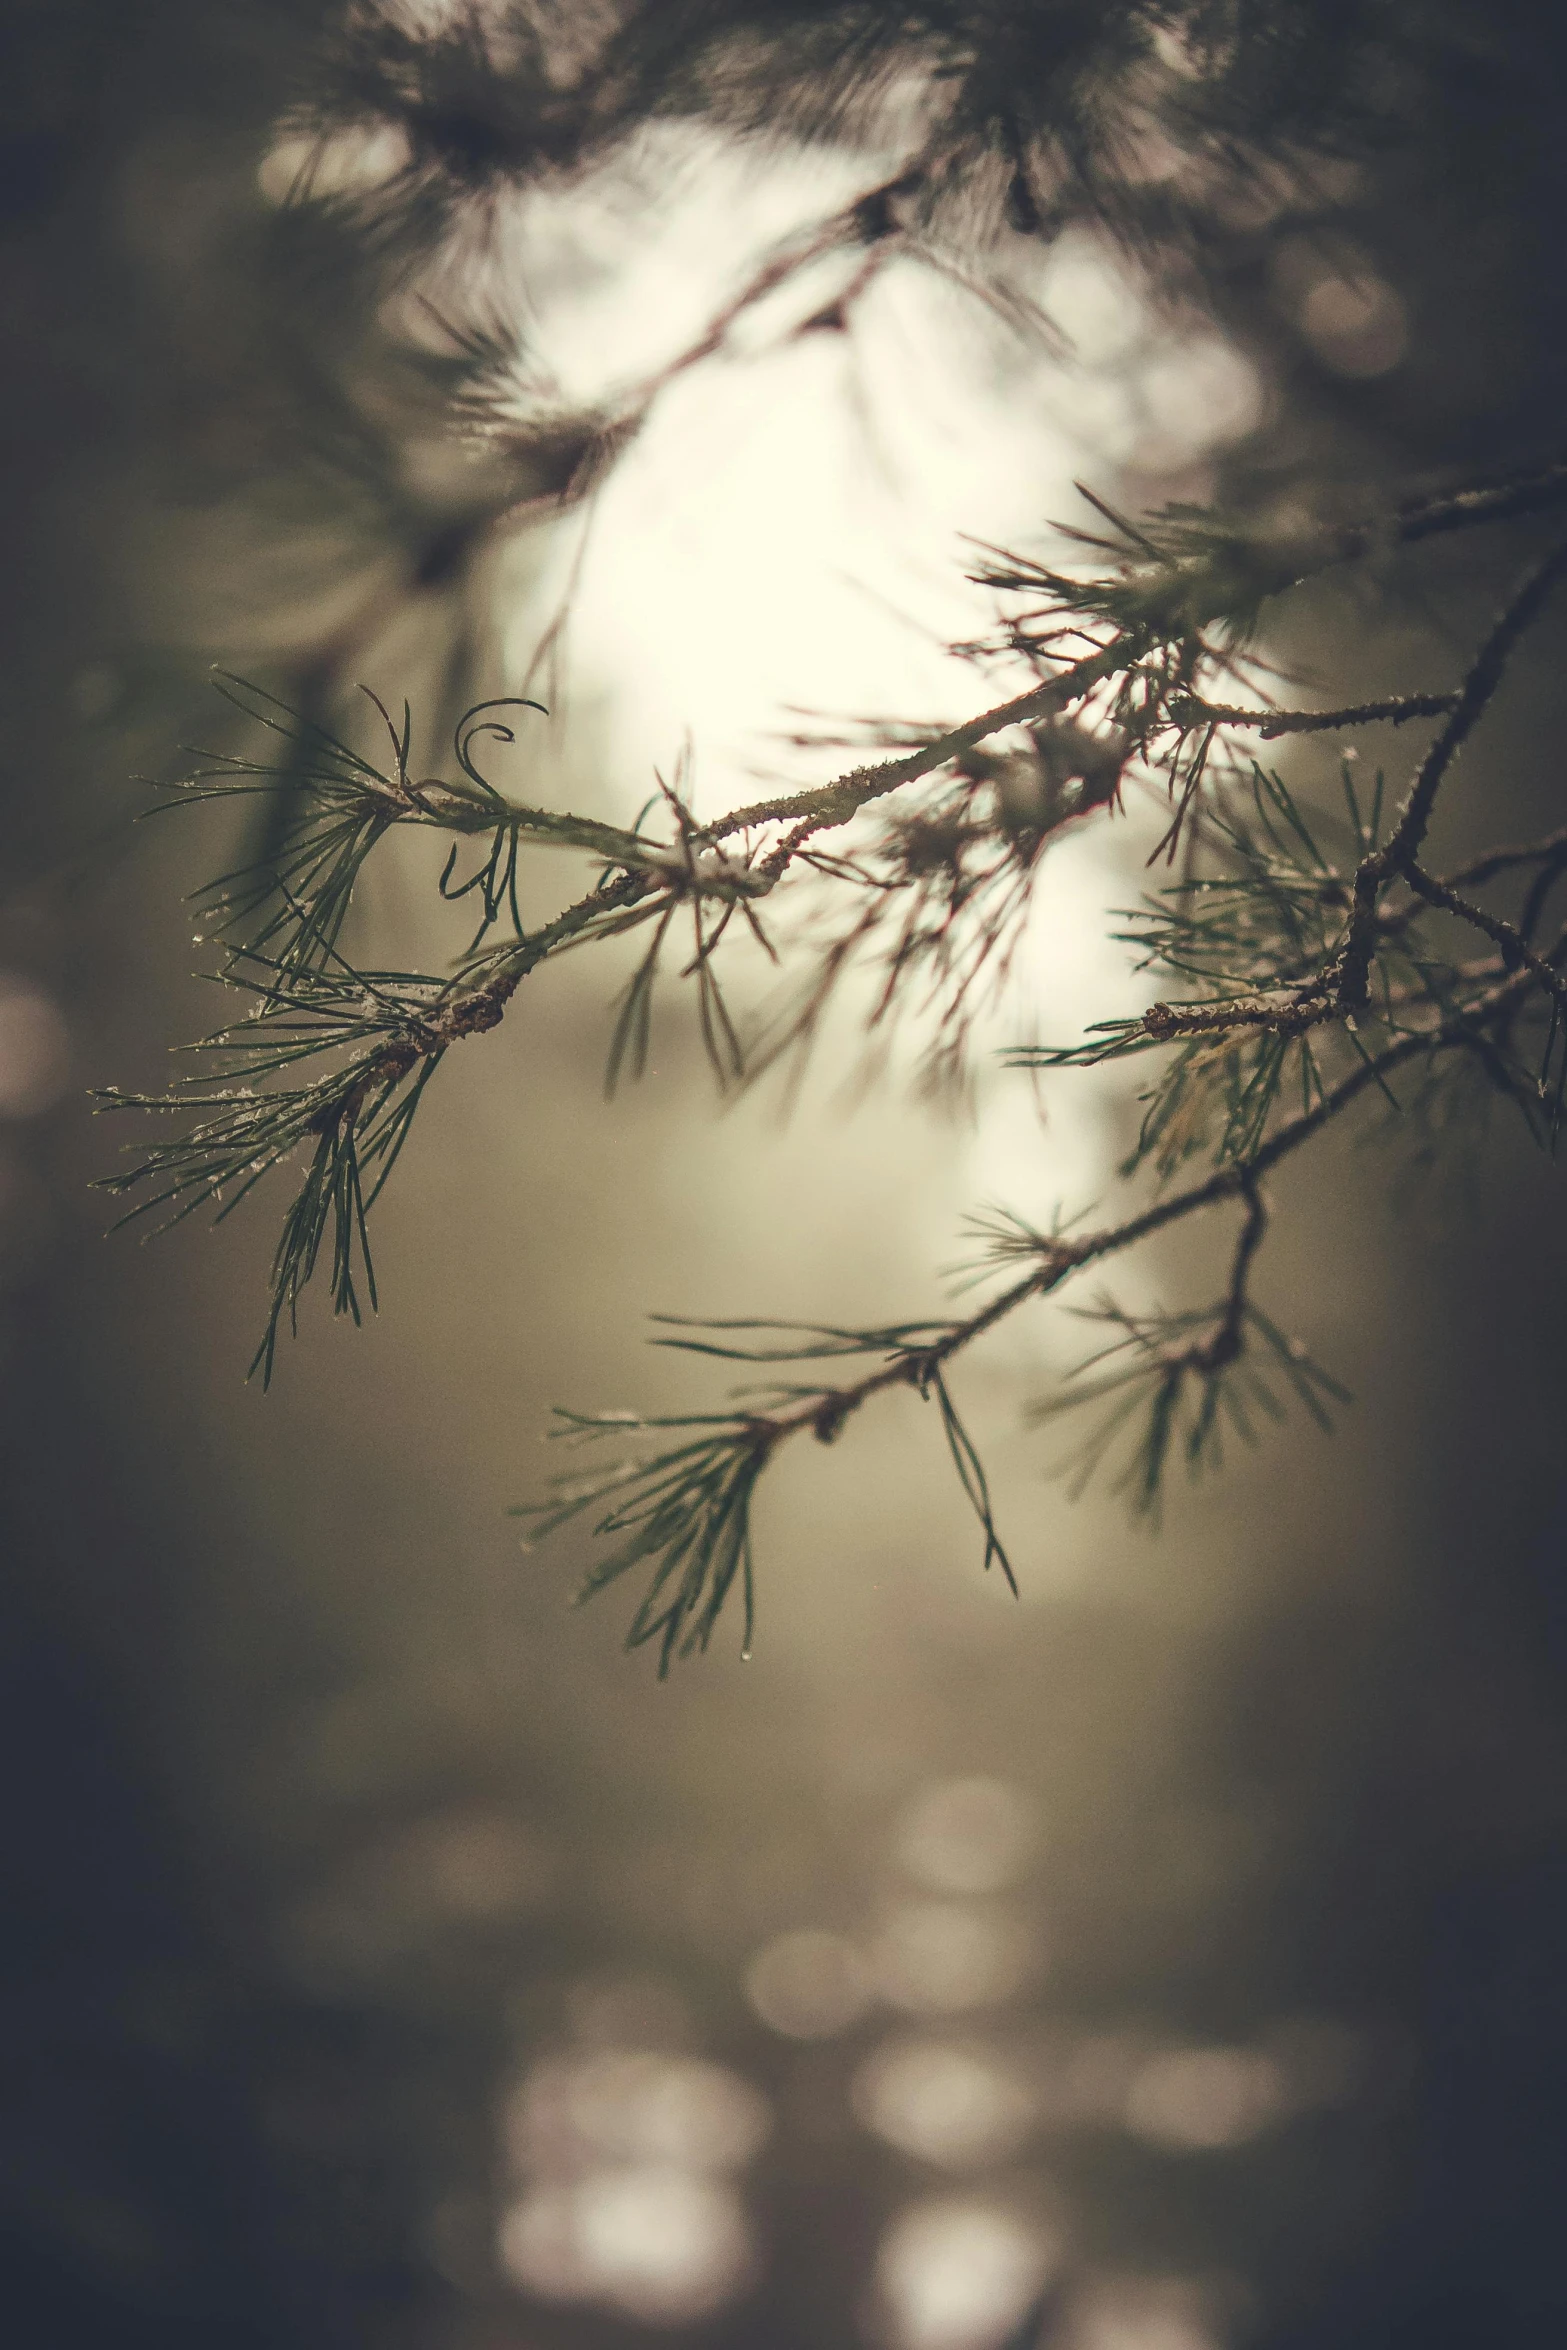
pixel 1139 2313
pixel 1356 326
pixel 942 1957
pixel 808 1985
pixel 952 2105
pixel 655 2242
pixel 637 2106
pixel 1195 2099
pixel 35 1049
pixel 967 1835
pixel 954 2275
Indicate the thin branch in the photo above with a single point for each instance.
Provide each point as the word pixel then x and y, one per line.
pixel 1215 1353
pixel 1401 849
pixel 1532 492
pixel 1546 851
pixel 1283 1015
pixel 835 803
pixel 1515 946
pixel 1394 710
pixel 825 1412
pixel 868 220
pixel 831 804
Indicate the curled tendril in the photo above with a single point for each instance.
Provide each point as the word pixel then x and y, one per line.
pixel 474 723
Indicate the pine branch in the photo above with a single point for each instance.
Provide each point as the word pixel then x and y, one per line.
pixel 1276 920
pixel 673 1518
pixel 1296 954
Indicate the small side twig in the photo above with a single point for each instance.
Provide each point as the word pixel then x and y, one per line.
pixel 1399 852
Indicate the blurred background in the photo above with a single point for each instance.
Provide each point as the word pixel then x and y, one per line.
pixel 1168 1959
